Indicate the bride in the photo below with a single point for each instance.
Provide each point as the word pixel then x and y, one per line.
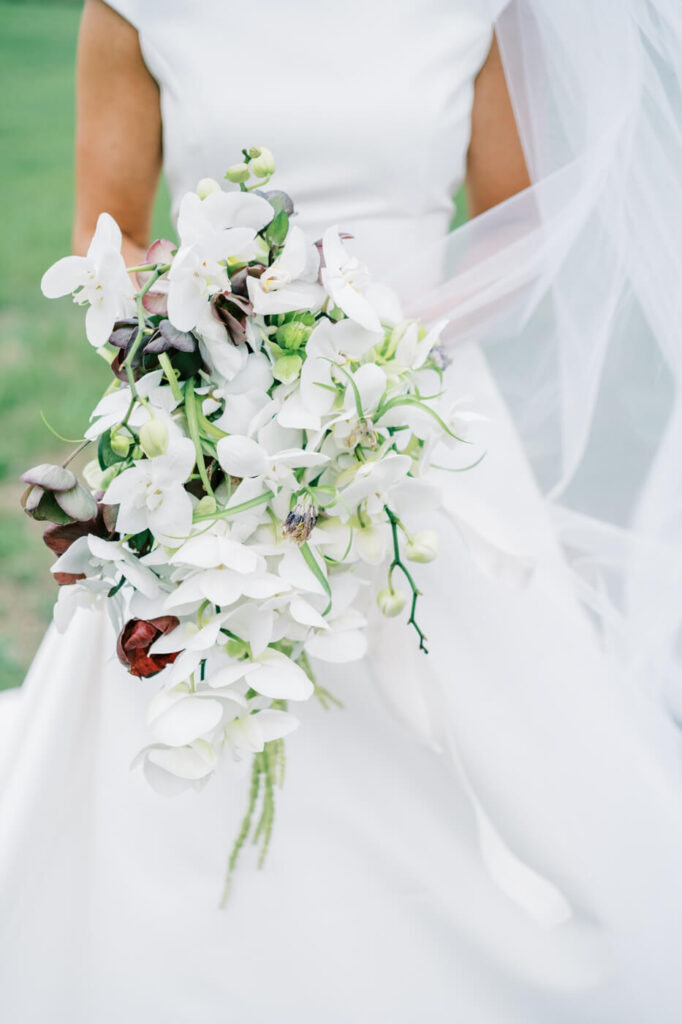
pixel 492 834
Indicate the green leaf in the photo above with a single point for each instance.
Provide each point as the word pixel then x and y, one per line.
pixel 317 572
pixel 411 400
pixel 277 229
pixel 106 456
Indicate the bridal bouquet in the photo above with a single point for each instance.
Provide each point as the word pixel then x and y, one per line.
pixel 261 456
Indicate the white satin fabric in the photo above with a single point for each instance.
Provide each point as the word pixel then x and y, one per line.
pixel 490 834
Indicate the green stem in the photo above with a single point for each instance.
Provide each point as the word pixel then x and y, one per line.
pixel 233 510
pixel 171 375
pixel 398 563
pixel 193 425
pixel 209 428
pixel 147 267
pixel 132 352
pixel 78 450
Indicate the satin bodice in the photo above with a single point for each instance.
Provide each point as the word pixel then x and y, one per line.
pixel 366 105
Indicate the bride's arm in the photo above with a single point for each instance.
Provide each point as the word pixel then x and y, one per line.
pixel 496 168
pixel 118 131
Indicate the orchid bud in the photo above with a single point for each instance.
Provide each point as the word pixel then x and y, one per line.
pixel 206 186
pixel 120 443
pixel 422 547
pixel 391 602
pixel 154 437
pixel 238 173
pixel 287 368
pixel 293 335
pixel 206 506
pixel 262 161
pixel 94 476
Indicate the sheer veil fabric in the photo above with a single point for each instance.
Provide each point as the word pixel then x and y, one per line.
pixel 571 289
pixel 543 724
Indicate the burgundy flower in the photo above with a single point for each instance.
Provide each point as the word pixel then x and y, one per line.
pixel 234 307
pixel 135 639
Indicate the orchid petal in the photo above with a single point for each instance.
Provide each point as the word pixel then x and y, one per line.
pixel 64 276
pixel 241 456
pixel 190 762
pixel 177 722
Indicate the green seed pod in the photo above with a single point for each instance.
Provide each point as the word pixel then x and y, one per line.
pixel 238 173
pixel 154 438
pixel 287 368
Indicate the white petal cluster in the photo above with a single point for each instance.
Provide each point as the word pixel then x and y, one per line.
pixel 257 495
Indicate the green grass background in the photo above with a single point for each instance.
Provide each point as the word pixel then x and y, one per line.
pixel 45 363
pixel 46 366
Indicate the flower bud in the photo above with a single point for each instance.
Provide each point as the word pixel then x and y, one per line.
pixel 120 443
pixel 287 368
pixel 206 506
pixel 262 161
pixel 423 546
pixel 206 186
pixel 293 335
pixel 93 476
pixel 238 173
pixel 154 437
pixel 391 602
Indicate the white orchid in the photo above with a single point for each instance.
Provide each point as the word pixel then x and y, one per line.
pixel 328 346
pixel 98 278
pixel 92 594
pixel 112 409
pixel 151 494
pixel 246 396
pixel 172 770
pixel 92 556
pixel 346 281
pixel 272 674
pixel 242 456
pixel 371 484
pixel 290 283
pixel 346 638
pixel 222 586
pixel 250 729
pixel 212 231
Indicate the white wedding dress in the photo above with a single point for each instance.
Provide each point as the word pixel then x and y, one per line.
pixel 491 834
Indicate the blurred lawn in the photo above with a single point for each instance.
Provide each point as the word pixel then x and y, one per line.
pixel 45 363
